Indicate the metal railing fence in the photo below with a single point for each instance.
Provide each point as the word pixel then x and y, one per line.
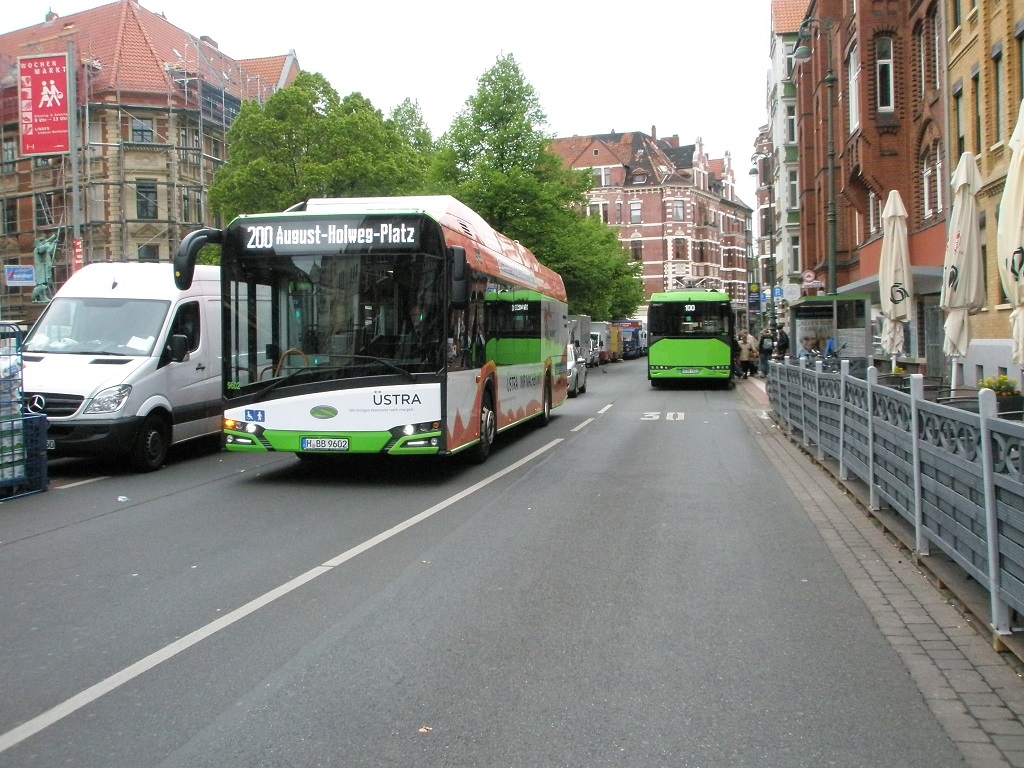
pixel 955 474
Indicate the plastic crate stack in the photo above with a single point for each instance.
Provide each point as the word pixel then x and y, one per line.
pixel 22 438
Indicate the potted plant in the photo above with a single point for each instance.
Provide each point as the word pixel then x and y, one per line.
pixel 1008 396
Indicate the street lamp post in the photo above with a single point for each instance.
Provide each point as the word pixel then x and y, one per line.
pixel 769 180
pixel 802 53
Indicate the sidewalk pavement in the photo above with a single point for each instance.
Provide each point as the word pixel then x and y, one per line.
pixel 932 615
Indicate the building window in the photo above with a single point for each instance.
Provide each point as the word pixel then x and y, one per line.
pixel 997 89
pixel 922 56
pixel 142 130
pixel 10 154
pixel 185 205
pixel 794 248
pixel 637 247
pixel 958 121
pixel 872 206
pixel 44 209
pixel 10 216
pixel 794 190
pixel 618 212
pixel 145 199
pixel 853 87
pixel 640 177
pixel 936 49
pixel 678 248
pixel 598 208
pixel 602 177
pixel 678 210
pixel 149 252
pixel 976 98
pixel 634 212
pixel 884 74
pixel 957 14
pixel 927 181
pixel 791 124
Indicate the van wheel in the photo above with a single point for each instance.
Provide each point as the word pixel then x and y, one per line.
pixel 488 429
pixel 152 444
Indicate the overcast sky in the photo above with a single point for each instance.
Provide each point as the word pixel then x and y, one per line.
pixel 696 68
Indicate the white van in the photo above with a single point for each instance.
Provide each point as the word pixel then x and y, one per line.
pixel 124 365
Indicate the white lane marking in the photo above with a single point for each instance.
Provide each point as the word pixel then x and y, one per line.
pixel 606 408
pixel 62 486
pixel 46 719
pixel 581 426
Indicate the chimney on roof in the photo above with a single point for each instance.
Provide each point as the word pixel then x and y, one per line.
pixel 210 41
pixel 51 16
pixel 654 133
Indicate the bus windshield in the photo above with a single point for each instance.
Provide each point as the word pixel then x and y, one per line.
pixel 685 319
pixel 320 317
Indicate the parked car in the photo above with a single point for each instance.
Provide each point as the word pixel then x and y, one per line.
pixel 576 368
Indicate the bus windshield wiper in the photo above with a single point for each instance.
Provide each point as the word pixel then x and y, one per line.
pixel 324 368
pixel 386 363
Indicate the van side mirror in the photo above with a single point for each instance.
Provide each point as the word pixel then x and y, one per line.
pixel 179 347
pixel 185 257
pixel 460 284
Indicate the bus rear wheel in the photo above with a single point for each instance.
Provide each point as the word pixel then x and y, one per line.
pixel 544 417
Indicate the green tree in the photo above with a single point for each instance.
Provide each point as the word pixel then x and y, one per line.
pixel 307 142
pixel 495 158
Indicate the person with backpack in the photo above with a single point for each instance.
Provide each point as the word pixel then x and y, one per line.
pixel 765 349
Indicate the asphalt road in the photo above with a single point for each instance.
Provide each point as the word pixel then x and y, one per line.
pixel 633 585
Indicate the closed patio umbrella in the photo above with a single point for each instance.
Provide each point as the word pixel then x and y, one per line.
pixel 963 287
pixel 895 285
pixel 1010 238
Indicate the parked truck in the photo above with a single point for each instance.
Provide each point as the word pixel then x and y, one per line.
pixel 580 336
pixel 633 338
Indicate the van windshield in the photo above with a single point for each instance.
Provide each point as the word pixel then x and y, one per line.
pixel 93 326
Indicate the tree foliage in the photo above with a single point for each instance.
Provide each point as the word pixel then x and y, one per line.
pixel 307 142
pixel 495 158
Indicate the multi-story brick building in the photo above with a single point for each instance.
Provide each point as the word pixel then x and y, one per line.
pixel 985 54
pixel 675 208
pixel 884 62
pixel 153 105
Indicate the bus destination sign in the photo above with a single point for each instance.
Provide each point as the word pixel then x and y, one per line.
pixel 284 237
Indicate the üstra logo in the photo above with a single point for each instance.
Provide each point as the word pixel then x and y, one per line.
pixel 323 412
pixel 395 398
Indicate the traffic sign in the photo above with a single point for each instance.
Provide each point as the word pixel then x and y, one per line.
pixel 777 292
pixel 808 275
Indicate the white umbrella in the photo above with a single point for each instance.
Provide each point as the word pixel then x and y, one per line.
pixel 1010 238
pixel 963 287
pixel 894 281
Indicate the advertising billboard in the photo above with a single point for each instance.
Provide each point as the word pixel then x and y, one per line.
pixel 43 104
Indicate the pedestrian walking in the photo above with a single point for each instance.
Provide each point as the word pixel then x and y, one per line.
pixel 781 343
pixel 748 353
pixel 765 349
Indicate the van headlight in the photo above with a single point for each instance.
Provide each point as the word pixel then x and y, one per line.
pixel 110 399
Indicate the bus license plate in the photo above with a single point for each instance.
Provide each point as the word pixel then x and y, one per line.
pixel 325 443
pixel 689 371
pixel 51 445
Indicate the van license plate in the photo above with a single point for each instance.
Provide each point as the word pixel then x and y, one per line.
pixel 325 443
pixel 51 445
pixel 689 371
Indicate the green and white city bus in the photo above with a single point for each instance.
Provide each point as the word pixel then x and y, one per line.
pixel 399 326
pixel 689 336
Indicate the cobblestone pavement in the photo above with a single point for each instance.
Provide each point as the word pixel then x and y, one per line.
pixel 975 692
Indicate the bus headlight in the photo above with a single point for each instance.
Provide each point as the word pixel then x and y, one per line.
pixel 110 400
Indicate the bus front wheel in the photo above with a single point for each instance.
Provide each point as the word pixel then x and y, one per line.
pixel 488 429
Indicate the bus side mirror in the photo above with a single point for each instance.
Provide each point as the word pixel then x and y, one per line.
pixel 185 257
pixel 460 285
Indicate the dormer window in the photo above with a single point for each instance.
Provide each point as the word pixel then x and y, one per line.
pixel 640 178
